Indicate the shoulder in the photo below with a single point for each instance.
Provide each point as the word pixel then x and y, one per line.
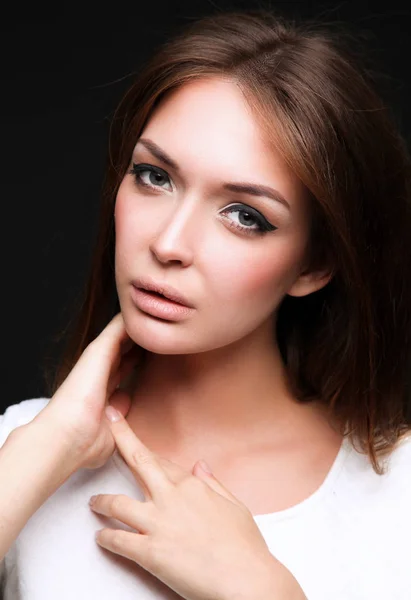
pixel 396 480
pixel 400 457
pixel 20 414
pixel 399 468
pixel 359 484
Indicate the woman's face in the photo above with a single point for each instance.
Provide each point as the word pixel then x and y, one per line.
pixel 232 252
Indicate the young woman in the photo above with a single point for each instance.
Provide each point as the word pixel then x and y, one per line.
pixel 258 182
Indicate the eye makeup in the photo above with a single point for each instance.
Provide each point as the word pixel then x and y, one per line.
pixel 156 174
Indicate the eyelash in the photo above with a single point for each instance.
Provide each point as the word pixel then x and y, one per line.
pixel 264 226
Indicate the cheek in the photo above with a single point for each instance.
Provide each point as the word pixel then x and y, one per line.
pixel 130 224
pixel 122 212
pixel 124 232
pixel 252 274
pixel 135 220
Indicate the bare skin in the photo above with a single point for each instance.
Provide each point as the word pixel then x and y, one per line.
pixel 277 467
pixel 213 385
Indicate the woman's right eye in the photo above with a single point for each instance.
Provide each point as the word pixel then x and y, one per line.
pixel 149 176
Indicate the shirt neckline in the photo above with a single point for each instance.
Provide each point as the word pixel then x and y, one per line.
pixel 293 511
pixel 309 502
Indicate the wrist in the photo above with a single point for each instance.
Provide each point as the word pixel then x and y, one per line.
pixel 50 454
pixel 283 585
pixel 270 581
pixel 31 469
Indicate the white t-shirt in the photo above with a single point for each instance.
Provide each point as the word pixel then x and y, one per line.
pixel 349 540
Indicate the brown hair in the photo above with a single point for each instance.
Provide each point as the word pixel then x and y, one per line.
pixel 348 344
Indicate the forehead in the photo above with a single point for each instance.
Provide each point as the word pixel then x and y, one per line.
pixel 207 112
pixel 207 102
pixel 208 128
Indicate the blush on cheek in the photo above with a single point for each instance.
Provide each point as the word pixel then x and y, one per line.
pixel 257 278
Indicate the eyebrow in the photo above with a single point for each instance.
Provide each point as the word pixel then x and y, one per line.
pixel 253 189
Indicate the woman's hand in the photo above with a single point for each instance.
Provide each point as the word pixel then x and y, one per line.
pixel 76 411
pixel 191 532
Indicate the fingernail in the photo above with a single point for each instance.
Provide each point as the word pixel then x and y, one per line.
pixel 112 414
pixel 205 467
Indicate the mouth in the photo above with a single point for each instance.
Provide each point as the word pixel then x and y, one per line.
pixel 152 293
pixel 162 291
pixel 158 305
pixel 159 295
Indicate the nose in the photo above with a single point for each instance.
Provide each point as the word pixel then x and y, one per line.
pixel 175 239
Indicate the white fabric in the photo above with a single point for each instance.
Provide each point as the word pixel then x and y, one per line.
pixel 350 540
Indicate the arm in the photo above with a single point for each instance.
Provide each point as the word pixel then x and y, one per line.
pixel 284 586
pixel 275 582
pixel 69 432
pixel 33 464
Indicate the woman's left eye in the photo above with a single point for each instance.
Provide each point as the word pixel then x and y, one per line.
pixel 149 176
pixel 261 225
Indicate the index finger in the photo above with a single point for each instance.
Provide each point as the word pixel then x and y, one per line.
pixel 140 459
pixel 105 351
pixel 113 338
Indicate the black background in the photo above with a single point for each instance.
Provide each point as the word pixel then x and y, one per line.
pixel 62 73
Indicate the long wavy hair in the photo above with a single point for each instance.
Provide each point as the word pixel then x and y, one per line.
pixel 347 344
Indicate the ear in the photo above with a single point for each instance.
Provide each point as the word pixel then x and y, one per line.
pixel 309 282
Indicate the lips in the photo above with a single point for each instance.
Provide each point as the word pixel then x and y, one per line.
pixel 155 293
pixel 163 290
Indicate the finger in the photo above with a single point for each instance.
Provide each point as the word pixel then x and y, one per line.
pixel 142 462
pixel 215 484
pixel 175 472
pixel 121 401
pixel 114 333
pixel 99 356
pixel 121 370
pixel 117 349
pixel 107 346
pixel 135 514
pixel 125 543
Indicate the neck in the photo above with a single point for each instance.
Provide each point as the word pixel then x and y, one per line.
pixel 227 399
